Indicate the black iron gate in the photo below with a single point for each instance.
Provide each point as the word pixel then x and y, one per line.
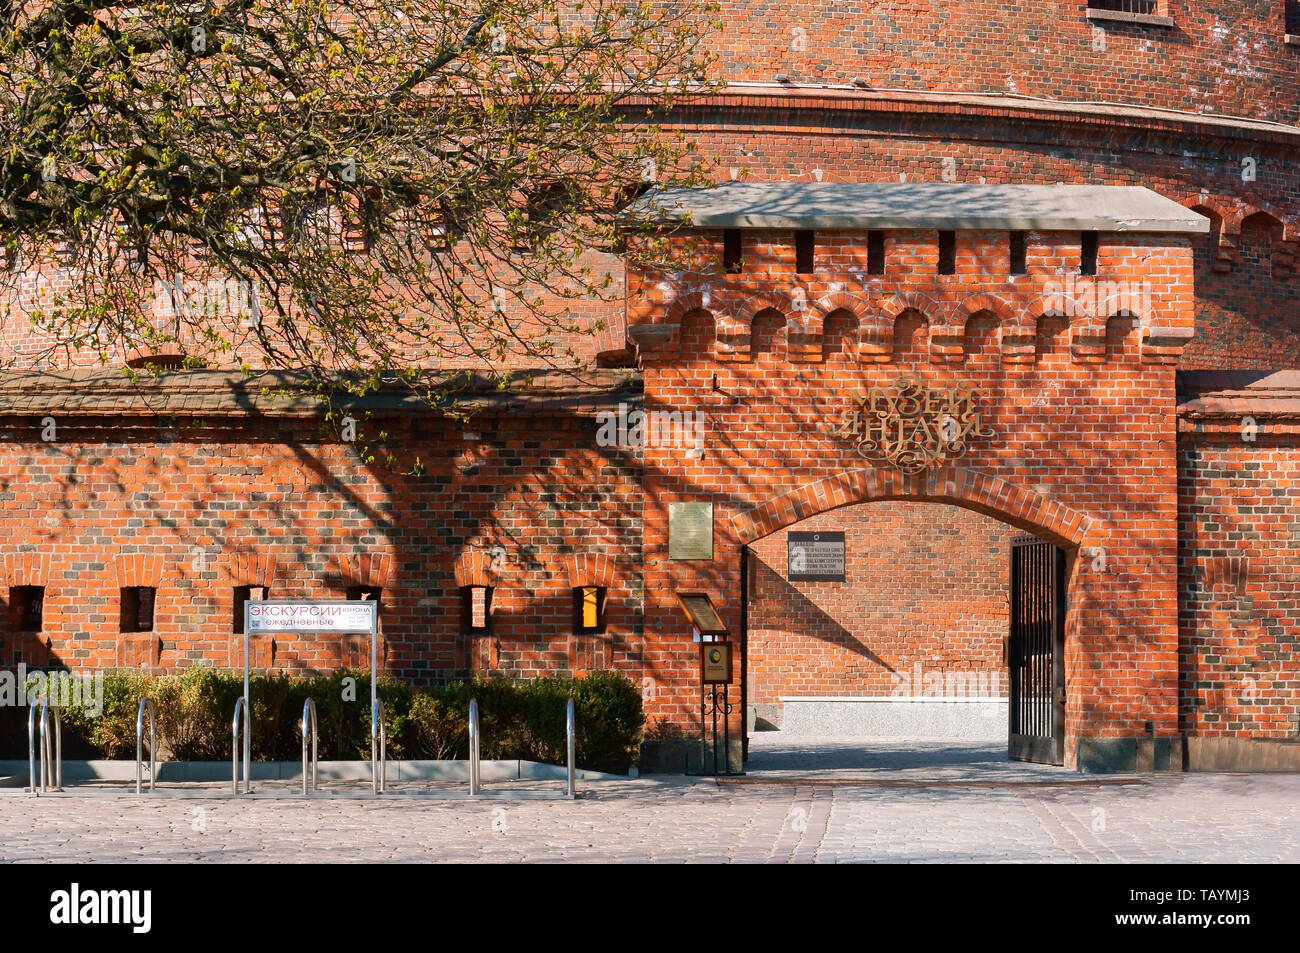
pixel 1036 652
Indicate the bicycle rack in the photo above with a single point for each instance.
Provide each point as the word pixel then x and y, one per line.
pixel 146 704
pixel 241 707
pixel 379 734
pixel 46 707
pixel 31 751
pixel 473 747
pixel 571 739
pixel 309 718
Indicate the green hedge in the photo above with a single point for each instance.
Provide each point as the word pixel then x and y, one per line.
pixel 518 719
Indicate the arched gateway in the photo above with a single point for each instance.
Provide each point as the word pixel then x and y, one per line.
pixel 1041 394
pixel 983 620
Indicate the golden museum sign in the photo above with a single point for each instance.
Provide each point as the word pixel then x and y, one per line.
pixel 913 426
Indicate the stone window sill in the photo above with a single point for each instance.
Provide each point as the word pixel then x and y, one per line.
pixel 1147 19
pixel 1293 39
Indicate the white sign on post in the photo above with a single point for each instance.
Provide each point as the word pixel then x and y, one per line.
pixel 339 618
pixel 336 617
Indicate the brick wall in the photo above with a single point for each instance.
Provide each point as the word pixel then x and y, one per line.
pixel 1239 584
pixel 1247 276
pixel 1223 56
pixel 514 503
pixel 1247 304
pixel 924 598
pixel 222 307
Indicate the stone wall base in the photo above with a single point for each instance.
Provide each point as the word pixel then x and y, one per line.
pixel 1243 754
pixel 686 756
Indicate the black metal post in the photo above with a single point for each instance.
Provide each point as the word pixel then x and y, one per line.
pixel 726 732
pixel 713 703
pixel 702 736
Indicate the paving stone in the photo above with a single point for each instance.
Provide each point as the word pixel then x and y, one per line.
pixel 1200 818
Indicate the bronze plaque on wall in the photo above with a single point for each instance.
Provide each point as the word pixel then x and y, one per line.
pixel 690 530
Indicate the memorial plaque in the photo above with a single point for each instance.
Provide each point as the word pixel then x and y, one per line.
pixel 690 530
pixel 715 663
pixel 815 557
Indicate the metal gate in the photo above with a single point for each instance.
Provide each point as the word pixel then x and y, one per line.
pixel 1036 653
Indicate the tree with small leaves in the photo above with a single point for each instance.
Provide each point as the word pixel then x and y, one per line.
pixel 358 189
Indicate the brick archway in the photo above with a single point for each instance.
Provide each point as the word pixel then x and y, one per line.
pixel 840 644
pixel 960 486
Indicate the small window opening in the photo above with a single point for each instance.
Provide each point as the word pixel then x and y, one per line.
pixel 137 608
pixel 805 245
pixel 1088 254
pixel 242 594
pixel 947 253
pixel 369 593
pixel 731 250
pixel 875 253
pixel 589 609
pixel 26 606
pixel 1017 265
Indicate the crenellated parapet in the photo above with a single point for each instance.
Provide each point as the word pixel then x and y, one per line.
pixel 885 277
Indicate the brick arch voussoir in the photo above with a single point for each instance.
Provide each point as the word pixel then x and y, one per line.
pixel 691 301
pixel 991 495
pixel 828 304
pixel 757 304
pixel 1045 306
pixel 728 337
pixel 590 569
pixel 367 570
pixel 1265 209
pixel 1216 208
pixel 1284 247
pixel 743 328
pixel 476 568
pixel 1011 337
pixel 869 323
pixel 895 306
pixel 973 305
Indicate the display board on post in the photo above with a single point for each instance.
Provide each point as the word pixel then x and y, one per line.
pixel 349 617
pixel 715 675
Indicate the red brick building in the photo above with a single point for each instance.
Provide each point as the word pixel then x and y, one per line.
pixel 1125 347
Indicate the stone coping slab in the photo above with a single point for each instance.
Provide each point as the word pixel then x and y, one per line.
pixel 920 205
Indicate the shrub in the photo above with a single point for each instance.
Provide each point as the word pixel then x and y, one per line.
pixel 194 710
pixel 527 720
pixel 438 727
pixel 112 734
pixel 610 719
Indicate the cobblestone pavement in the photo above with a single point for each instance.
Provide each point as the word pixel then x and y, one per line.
pixel 763 818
